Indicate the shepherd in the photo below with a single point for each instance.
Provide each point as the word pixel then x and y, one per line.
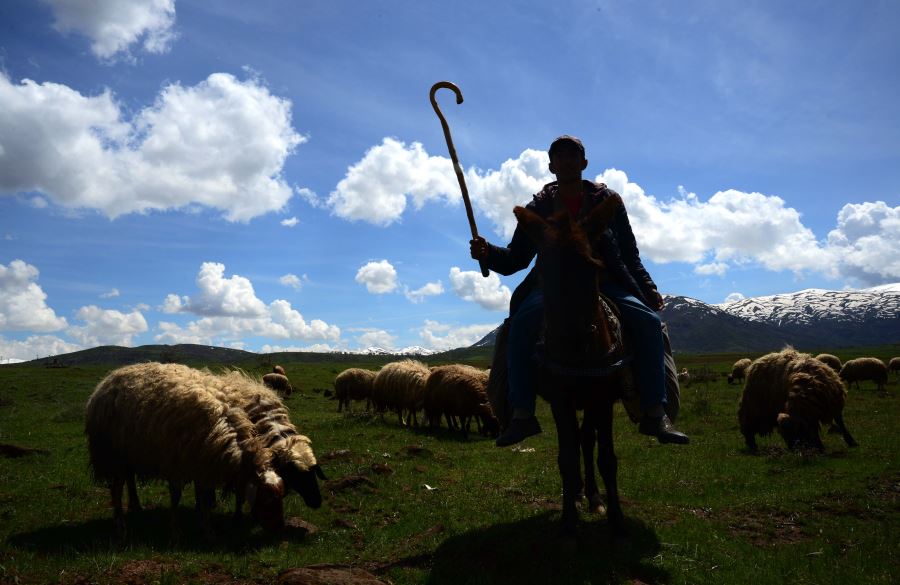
pixel 628 285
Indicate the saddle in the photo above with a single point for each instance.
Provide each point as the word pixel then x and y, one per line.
pixel 616 361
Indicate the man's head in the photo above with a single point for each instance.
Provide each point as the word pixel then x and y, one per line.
pixel 567 158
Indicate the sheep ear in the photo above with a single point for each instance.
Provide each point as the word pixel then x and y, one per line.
pixel 532 223
pixel 318 471
pixel 602 215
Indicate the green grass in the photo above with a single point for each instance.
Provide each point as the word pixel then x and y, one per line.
pixel 438 508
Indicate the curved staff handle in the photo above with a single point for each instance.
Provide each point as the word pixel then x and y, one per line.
pixel 455 159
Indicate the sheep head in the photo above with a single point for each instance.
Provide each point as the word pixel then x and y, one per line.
pixel 305 482
pixel 265 495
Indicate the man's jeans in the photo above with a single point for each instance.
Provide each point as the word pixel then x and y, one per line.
pixel 643 331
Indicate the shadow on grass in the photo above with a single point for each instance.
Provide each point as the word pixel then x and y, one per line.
pixel 151 528
pixel 530 551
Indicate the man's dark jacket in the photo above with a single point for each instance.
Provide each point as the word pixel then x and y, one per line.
pixel 618 247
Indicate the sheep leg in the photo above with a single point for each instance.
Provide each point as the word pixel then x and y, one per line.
pixel 567 459
pixel 115 492
pixel 839 421
pixel 340 404
pixel 175 499
pixel 608 465
pixel 750 440
pixel 204 501
pixel 134 503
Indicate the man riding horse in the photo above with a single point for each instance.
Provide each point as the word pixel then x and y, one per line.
pixel 628 285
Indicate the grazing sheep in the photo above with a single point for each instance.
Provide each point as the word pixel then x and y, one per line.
pixel 832 361
pixel 894 365
pixel 353 384
pixel 292 454
pixel 171 422
pixel 794 393
pixel 865 368
pixel 684 377
pixel 739 370
pixel 279 383
pixel 400 386
pixel 276 369
pixel 459 391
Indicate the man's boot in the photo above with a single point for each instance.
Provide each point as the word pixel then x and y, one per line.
pixel 663 429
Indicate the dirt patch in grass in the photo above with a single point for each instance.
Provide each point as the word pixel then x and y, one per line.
pixel 766 528
pixel 349 482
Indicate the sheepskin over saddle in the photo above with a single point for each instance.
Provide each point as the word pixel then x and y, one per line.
pixel 600 365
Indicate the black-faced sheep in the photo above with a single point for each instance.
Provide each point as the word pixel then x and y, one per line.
pixel 458 391
pixel 794 393
pixel 279 383
pixel 353 384
pixel 739 370
pixel 832 361
pixel 400 386
pixel 894 365
pixel 865 368
pixel 292 454
pixel 171 422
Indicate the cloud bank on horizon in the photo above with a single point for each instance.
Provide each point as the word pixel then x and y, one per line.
pixel 225 144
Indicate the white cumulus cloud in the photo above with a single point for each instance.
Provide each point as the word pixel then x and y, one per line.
pixel 220 144
pixel 291 222
pixel 717 268
pixel 376 338
pixel 430 289
pixel 113 26
pixel 379 277
pixel 23 305
pixel 866 242
pixel 107 327
pixel 293 281
pixel 110 294
pixel 35 346
pixel 488 292
pixel 441 336
pixel 231 311
pixel 734 297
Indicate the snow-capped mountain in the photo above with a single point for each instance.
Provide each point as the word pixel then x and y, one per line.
pixel 809 319
pixel 411 350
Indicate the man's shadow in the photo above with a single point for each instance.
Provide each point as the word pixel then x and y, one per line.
pixel 531 551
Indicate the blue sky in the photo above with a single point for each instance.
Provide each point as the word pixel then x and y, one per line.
pixel 270 175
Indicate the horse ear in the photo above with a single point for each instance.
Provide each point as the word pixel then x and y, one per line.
pixel 602 215
pixel 533 224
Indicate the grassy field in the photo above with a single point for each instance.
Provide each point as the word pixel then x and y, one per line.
pixel 419 507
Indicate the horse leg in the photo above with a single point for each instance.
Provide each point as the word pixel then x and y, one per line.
pixel 564 416
pixel 608 466
pixel 588 437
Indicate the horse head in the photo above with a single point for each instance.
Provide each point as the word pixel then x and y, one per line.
pixel 577 330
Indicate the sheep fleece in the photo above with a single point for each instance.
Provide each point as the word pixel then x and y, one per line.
pixel 791 382
pixel 172 422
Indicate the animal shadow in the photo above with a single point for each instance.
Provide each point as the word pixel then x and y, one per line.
pixel 150 528
pixel 531 551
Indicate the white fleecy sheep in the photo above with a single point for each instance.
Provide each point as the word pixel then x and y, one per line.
pixel 171 422
pixel 739 370
pixel 292 454
pixel 279 383
pixel 863 369
pixel 459 393
pixel 795 393
pixel 400 386
pixel 353 384
pixel 832 361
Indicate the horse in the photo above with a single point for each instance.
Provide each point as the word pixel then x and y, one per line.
pixel 581 357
